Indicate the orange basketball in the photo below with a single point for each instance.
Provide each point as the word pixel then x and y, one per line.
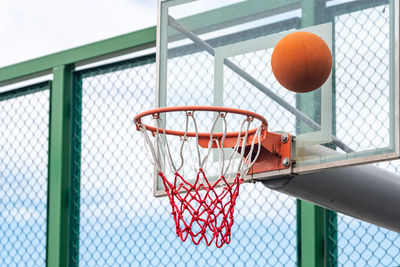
pixel 301 62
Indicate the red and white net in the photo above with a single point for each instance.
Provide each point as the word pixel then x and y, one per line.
pixel 203 204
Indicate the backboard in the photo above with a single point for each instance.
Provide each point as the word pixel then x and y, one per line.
pixel 217 53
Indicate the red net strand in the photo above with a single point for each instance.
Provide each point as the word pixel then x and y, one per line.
pixel 203 210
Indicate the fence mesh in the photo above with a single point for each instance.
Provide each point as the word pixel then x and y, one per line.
pixel 362 72
pixel 362 62
pixel 24 128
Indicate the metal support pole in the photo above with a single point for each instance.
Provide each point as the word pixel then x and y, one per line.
pixel 58 215
pixel 365 192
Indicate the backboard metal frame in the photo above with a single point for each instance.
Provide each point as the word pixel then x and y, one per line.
pixel 318 160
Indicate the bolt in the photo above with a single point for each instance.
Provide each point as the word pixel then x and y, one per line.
pixel 284 138
pixel 286 162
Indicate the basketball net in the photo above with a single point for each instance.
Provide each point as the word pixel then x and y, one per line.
pixel 203 208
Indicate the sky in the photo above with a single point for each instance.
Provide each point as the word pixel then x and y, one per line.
pixel 31 29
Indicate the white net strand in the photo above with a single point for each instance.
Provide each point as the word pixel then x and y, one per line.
pixel 184 139
pixel 210 142
pixel 235 152
pixel 149 148
pixel 244 141
pixel 159 149
pixel 191 114
pixel 193 166
pixel 220 157
pixel 221 149
pixel 248 161
pixel 164 145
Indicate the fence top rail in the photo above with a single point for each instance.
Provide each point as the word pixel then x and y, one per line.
pixel 78 56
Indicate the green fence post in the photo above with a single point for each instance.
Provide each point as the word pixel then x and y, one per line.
pixel 311 234
pixel 316 233
pixel 75 190
pixel 58 214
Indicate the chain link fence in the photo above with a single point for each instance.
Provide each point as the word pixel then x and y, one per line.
pixel 24 131
pixel 121 223
pixel 362 76
pixel 362 72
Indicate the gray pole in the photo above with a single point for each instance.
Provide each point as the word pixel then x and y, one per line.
pixel 364 192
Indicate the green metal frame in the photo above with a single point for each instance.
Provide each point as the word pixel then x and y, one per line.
pixel 74 192
pixel 59 167
pixel 317 237
pixel 86 54
pixel 27 90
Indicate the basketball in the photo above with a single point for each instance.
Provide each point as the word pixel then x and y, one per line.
pixel 301 62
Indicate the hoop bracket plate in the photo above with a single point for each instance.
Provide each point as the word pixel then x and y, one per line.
pixel 275 153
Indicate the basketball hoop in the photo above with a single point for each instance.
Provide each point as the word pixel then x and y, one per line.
pixel 203 208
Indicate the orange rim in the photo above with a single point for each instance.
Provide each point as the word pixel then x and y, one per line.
pixel 155 112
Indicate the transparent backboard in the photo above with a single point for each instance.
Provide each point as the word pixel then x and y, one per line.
pixel 352 119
